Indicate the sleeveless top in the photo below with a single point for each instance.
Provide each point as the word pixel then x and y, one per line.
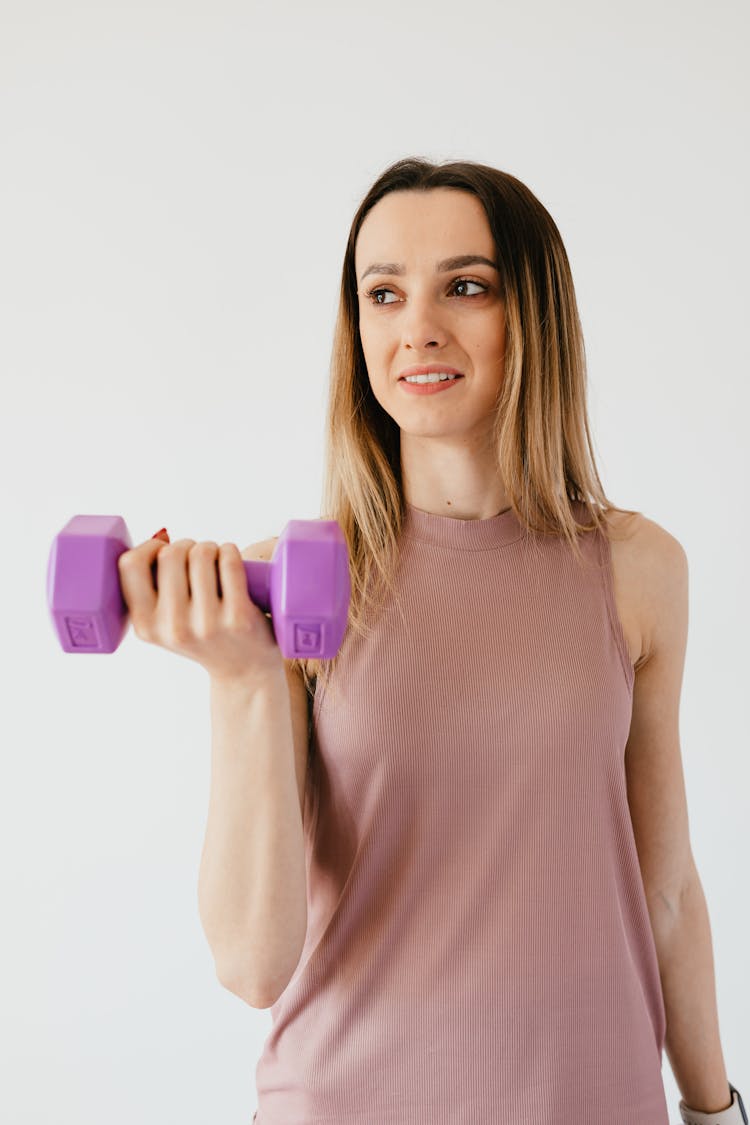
pixel 478 948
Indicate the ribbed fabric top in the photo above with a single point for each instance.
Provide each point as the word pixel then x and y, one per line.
pixel 479 949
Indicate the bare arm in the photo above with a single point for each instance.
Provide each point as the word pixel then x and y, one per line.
pixel 252 884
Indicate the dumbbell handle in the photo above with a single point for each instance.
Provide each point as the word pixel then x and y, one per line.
pixel 305 586
pixel 258 574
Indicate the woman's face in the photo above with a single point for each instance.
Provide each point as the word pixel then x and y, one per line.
pixel 425 314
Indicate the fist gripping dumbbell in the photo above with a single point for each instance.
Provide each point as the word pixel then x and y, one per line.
pixel 305 586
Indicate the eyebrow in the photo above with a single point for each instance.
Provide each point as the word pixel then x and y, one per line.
pixel 456 263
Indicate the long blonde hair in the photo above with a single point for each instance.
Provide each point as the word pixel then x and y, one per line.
pixel 541 430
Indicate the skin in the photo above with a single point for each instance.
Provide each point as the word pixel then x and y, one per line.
pixel 448 463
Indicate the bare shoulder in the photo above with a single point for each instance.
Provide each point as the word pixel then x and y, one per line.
pixel 649 567
pixel 259 552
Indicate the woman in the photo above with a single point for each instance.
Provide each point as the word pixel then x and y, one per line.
pixel 495 819
pixel 463 883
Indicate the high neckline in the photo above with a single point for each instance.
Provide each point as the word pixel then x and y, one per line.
pixel 462 535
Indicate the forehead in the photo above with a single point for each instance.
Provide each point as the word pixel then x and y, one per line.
pixel 418 226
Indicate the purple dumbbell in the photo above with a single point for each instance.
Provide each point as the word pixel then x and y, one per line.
pixel 305 586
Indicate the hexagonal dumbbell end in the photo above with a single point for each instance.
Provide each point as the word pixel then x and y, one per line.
pixel 305 586
pixel 83 584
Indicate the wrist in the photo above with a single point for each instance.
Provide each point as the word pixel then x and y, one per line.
pixel 248 685
pixel 733 1114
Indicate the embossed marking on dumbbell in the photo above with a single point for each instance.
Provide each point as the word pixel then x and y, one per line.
pixel 82 632
pixel 307 638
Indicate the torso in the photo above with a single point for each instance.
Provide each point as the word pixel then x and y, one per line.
pixel 624 560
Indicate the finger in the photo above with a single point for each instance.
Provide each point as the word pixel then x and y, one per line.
pixel 233 576
pixel 173 605
pixel 203 573
pixel 136 568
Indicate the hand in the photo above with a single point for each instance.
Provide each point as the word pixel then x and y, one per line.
pixel 191 598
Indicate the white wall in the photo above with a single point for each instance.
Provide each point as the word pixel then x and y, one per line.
pixel 177 184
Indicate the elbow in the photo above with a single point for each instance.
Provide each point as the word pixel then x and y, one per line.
pixel 258 979
pixel 238 985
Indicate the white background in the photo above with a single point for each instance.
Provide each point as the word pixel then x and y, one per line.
pixel 177 184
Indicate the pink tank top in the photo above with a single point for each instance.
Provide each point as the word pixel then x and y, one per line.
pixel 479 948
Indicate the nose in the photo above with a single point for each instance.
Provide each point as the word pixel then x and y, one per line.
pixel 421 325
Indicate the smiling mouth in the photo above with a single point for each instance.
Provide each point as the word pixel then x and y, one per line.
pixel 443 379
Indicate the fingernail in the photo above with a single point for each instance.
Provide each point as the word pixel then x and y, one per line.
pixel 162 533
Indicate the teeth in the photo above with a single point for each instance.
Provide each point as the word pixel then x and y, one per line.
pixel 435 378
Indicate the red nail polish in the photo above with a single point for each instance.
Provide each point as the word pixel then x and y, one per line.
pixel 162 533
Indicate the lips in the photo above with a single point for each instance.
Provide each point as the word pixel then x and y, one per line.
pixel 429 369
pixel 436 387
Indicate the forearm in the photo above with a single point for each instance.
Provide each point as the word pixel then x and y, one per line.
pixel 686 967
pixel 252 883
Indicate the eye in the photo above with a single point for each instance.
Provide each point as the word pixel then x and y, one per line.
pixel 373 293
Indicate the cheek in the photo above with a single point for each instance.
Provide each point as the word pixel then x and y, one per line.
pixel 378 353
pixel 493 333
pixel 383 396
pixel 374 336
pixel 371 341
